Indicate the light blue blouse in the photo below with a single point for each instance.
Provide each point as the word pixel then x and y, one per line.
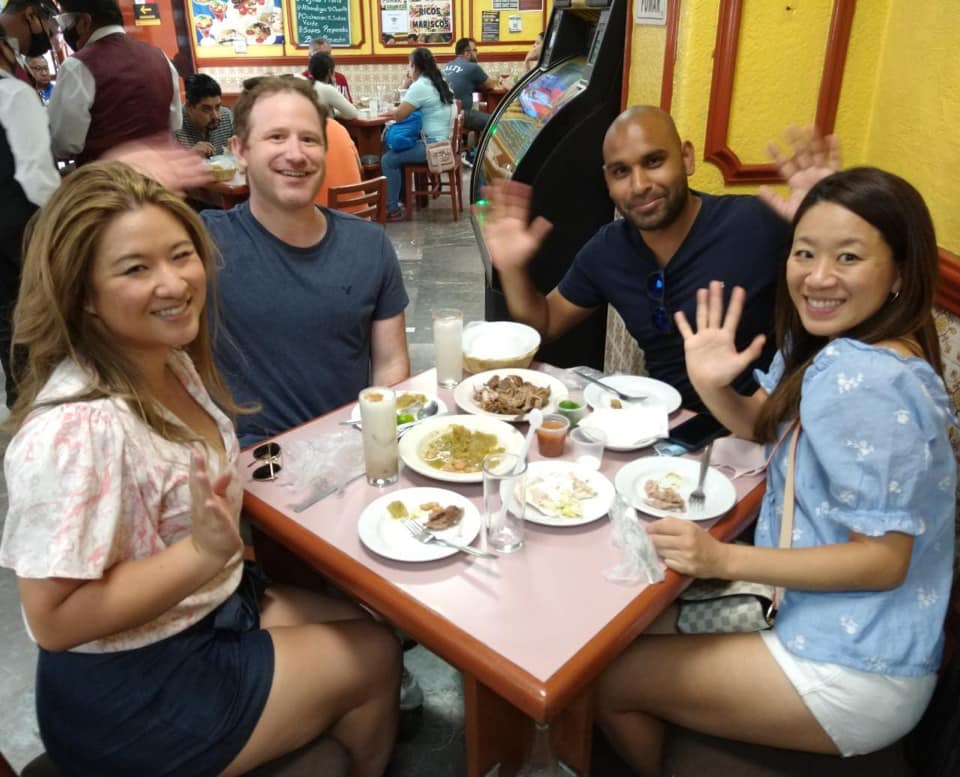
pixel 873 457
pixel 437 115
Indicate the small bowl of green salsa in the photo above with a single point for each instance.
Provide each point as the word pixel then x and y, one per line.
pixel 571 410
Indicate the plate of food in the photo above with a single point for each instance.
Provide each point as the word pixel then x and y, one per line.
pixel 508 394
pixel 408 403
pixel 661 486
pixel 561 493
pixel 452 447
pixel 445 513
pixel 655 391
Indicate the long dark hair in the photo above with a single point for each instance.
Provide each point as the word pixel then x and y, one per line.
pixel 896 210
pixel 321 66
pixel 427 65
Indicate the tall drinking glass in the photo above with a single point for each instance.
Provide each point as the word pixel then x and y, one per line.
pixel 504 499
pixel 378 415
pixel 448 346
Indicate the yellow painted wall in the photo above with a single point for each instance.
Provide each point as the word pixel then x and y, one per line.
pixel 899 105
pixel 914 126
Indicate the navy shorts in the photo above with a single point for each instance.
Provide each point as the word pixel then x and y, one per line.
pixel 183 706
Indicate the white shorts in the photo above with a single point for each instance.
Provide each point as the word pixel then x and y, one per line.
pixel 861 711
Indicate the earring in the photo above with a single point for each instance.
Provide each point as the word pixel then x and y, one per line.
pixel 894 295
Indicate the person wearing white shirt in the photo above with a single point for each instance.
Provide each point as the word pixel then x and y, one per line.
pixel 322 69
pixel 113 89
pixel 28 176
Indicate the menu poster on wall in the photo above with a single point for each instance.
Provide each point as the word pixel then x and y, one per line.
pixel 394 16
pixel 506 5
pixel 218 24
pixel 430 19
pixel 489 25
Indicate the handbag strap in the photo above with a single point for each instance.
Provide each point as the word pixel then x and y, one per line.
pixel 789 500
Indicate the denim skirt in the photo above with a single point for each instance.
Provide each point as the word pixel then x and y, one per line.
pixel 183 706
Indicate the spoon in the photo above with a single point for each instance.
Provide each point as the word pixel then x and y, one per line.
pixel 425 411
pixel 535 419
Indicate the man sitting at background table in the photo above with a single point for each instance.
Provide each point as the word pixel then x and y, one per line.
pixel 207 122
pixel 465 77
pixel 670 242
pixel 312 300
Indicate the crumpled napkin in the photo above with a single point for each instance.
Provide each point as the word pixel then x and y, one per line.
pixel 319 466
pixel 625 427
pixel 738 457
pixel 640 563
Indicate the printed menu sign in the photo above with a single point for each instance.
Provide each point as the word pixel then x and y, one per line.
pixel 328 19
pixel 219 25
pixel 489 25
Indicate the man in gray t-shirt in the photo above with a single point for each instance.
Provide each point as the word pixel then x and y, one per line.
pixel 465 77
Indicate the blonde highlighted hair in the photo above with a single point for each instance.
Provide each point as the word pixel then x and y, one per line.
pixel 50 323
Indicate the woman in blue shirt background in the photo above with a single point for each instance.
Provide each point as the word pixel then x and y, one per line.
pixel 431 95
pixel 851 662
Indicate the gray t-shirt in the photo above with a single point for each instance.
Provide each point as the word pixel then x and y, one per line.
pixel 297 321
pixel 464 78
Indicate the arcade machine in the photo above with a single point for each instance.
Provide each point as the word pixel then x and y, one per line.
pixel 548 132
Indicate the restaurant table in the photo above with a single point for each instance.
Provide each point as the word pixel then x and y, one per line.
pixel 530 631
pixel 222 194
pixel 492 98
pixel 366 133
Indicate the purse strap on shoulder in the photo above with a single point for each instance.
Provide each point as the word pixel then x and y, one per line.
pixel 789 501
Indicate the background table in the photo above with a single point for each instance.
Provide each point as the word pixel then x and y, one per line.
pixel 222 194
pixel 530 631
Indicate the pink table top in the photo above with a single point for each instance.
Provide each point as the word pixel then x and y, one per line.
pixel 537 608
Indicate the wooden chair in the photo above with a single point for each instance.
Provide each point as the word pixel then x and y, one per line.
pixel 420 182
pixel 367 199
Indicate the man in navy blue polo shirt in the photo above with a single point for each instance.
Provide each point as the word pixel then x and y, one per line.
pixel 670 242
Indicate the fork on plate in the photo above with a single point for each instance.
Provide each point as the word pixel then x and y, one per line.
pixel 698 499
pixel 607 387
pixel 422 534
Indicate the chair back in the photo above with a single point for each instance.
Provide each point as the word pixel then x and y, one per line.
pixel 367 199
pixel 457 137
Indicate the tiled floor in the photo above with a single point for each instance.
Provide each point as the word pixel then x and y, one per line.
pixel 441 268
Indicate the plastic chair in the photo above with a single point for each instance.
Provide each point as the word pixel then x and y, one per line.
pixel 367 199
pixel 450 182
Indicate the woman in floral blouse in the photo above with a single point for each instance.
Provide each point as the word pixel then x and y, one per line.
pixel 851 661
pixel 157 656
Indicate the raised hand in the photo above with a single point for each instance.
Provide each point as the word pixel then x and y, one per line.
pixel 814 157
pixel 215 528
pixel 713 361
pixel 511 241
pixel 172 165
pixel 686 548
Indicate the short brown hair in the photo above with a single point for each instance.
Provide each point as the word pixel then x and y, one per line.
pixel 267 86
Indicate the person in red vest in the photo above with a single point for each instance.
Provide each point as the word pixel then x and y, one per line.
pixel 114 89
pixel 27 26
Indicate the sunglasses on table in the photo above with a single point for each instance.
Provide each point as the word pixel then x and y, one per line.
pixel 270 458
pixel 656 291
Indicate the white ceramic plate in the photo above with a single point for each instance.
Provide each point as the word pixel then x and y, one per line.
pixel 625 432
pixel 655 391
pixel 413 443
pixel 386 536
pixel 720 492
pixel 441 405
pixel 593 508
pixel 463 393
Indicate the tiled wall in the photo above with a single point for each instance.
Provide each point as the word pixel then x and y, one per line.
pixel 364 79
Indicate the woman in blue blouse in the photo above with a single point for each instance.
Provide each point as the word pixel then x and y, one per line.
pixel 851 662
pixel 431 95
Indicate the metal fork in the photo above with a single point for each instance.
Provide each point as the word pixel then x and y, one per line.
pixel 422 534
pixel 607 387
pixel 698 499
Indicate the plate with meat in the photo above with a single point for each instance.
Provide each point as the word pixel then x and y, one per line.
pixel 508 394
pixel 661 486
pixel 446 513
